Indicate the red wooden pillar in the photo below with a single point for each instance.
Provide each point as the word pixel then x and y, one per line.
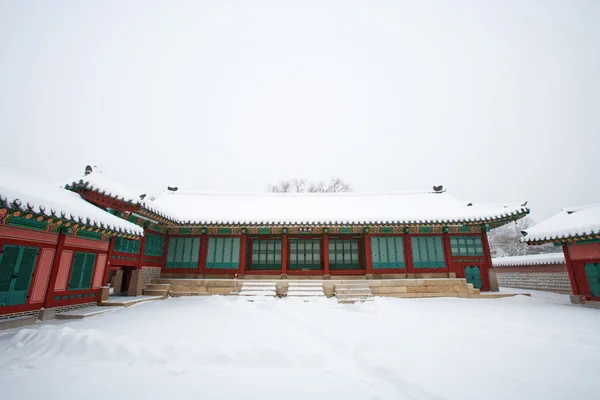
pixel 325 254
pixel 575 287
pixel 243 247
pixel 60 245
pixel 368 255
pixel 111 246
pixel 485 281
pixel 163 261
pixel 408 258
pixel 203 253
pixel 447 252
pixel 284 254
pixel 141 254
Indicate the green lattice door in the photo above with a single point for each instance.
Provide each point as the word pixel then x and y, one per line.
pixel 592 271
pixel 16 269
pixel 473 275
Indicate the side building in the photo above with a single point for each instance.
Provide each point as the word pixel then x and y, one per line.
pixel 421 234
pixel 54 247
pixel 577 232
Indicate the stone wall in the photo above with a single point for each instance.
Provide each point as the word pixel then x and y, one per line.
pixel 550 278
pixel 149 273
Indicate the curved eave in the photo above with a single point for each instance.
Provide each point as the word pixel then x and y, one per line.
pixel 90 224
pixel 494 221
pixel 87 186
pixel 562 239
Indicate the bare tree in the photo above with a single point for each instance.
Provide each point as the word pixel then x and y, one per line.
pixel 505 240
pixel 300 185
pixel 281 187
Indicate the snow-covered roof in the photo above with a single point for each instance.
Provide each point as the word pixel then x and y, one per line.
pixel 19 191
pixel 95 180
pixel 534 259
pixel 569 223
pixel 420 207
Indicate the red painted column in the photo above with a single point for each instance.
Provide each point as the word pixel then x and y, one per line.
pixel 243 247
pixel 284 255
pixel 141 253
pixel 408 258
pixel 203 253
pixel 325 254
pixel 575 287
pixel 60 245
pixel 447 252
pixel 368 255
pixel 163 261
pixel 485 282
pixel 111 245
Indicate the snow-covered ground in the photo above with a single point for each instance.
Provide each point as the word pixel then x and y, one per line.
pixel 227 348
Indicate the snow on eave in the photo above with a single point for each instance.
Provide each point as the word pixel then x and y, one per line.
pixel 570 223
pixel 529 260
pixel 26 194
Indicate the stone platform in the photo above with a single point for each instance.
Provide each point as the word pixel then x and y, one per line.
pixel 402 288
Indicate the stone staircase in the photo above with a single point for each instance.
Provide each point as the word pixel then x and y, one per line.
pixel 358 291
pixel 305 290
pixel 257 290
pixel 157 289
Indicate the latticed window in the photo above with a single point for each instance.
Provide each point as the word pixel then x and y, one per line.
pixel 466 245
pixel 387 252
pixel 127 245
pixel 16 268
pixel 154 245
pixel 305 254
pixel 266 254
pixel 82 271
pixel 223 253
pixel 344 254
pixel 183 252
pixel 428 252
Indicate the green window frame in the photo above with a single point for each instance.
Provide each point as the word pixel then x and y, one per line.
pixel 305 254
pixel 126 245
pixel 266 254
pixel 154 245
pixel 387 252
pixel 344 254
pixel 466 245
pixel 183 252
pixel 428 252
pixel 16 270
pixel 223 253
pixel 82 271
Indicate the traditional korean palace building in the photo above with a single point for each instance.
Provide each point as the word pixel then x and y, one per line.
pixel 577 231
pixel 61 245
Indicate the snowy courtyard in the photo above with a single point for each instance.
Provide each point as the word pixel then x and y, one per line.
pixel 226 348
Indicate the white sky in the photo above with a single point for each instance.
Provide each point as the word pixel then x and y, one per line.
pixel 496 100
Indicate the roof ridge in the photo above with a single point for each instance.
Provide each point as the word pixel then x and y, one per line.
pixel 303 194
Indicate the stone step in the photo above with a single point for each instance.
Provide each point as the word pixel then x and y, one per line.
pixel 180 294
pixel 305 288
pixel 309 293
pixel 158 286
pixel 306 283
pixel 258 293
pixel 354 295
pixel 151 292
pixel 357 291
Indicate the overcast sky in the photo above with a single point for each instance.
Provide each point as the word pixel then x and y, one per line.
pixel 496 100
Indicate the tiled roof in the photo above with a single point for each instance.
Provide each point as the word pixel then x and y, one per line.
pixel 325 208
pixel 18 191
pixel 569 223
